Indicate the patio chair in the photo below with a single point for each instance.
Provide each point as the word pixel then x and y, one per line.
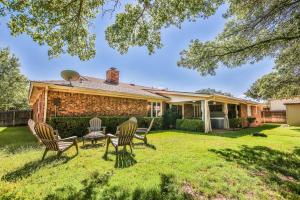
pixel 50 140
pixel 123 137
pixel 31 125
pixel 95 125
pixel 141 133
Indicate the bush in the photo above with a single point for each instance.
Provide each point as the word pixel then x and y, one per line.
pixel 236 123
pixel 250 120
pixel 190 125
pixel 70 126
pixel 169 119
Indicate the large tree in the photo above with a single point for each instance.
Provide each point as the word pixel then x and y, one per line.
pixel 213 91
pixel 13 85
pixel 254 29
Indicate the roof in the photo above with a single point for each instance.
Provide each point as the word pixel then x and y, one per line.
pixel 100 84
pixel 292 101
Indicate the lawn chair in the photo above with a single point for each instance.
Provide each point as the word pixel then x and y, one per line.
pixel 141 133
pixel 50 140
pixel 95 125
pixel 31 125
pixel 124 135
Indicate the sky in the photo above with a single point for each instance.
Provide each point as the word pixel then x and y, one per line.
pixel 137 66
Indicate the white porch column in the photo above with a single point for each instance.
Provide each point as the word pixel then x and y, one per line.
pixel 202 110
pixel 207 122
pixel 226 120
pixel 236 111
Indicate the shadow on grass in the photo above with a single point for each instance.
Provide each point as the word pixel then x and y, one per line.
pixel 141 144
pixel 91 146
pixel 296 129
pixel 32 167
pixel 97 186
pixel 124 159
pixel 280 170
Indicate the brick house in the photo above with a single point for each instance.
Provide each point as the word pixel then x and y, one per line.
pixel 109 97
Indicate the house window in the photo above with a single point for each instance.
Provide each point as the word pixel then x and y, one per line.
pixel 249 111
pixel 154 109
pixel 197 110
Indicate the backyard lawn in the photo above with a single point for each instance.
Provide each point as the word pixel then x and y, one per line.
pixel 175 165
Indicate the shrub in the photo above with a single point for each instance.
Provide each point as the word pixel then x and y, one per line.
pixel 250 120
pixel 169 119
pixel 70 126
pixel 190 125
pixel 236 123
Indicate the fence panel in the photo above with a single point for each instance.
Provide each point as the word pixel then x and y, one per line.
pixel 14 117
pixel 273 116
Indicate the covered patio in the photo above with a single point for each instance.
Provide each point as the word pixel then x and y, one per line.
pixel 214 110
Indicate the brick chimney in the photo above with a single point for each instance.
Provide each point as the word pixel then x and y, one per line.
pixel 112 76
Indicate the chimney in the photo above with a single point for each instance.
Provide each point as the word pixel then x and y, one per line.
pixel 112 76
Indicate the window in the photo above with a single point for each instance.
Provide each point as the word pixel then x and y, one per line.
pixel 249 111
pixel 154 109
pixel 197 110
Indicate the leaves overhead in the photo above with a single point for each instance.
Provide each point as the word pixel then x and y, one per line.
pixel 254 29
pixel 14 85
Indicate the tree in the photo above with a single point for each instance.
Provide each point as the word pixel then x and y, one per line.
pixel 14 85
pixel 254 29
pixel 213 91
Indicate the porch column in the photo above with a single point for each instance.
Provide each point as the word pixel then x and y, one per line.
pixel 182 111
pixel 226 120
pixel 207 123
pixel 202 111
pixel 236 111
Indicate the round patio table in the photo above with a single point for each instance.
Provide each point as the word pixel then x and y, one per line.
pixel 94 136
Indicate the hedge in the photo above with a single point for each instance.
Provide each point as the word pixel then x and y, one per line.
pixel 236 123
pixel 77 126
pixel 190 125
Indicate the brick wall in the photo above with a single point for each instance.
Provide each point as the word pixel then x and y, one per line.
pixel 76 104
pixel 188 111
pixel 256 112
pixel 243 114
pixel 38 107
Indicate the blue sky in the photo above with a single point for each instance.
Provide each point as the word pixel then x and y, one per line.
pixel 137 66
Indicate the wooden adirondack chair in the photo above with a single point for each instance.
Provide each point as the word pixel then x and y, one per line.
pixel 141 133
pixel 124 135
pixel 95 125
pixel 50 140
pixel 31 125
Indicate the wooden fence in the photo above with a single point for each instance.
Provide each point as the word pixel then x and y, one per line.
pixel 273 116
pixel 14 117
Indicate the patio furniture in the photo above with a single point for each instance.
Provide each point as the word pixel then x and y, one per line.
pixel 124 135
pixel 141 133
pixel 50 140
pixel 94 136
pixel 31 125
pixel 95 125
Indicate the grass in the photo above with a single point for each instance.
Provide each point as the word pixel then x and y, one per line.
pixel 176 165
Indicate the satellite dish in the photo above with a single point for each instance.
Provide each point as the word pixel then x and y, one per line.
pixel 70 75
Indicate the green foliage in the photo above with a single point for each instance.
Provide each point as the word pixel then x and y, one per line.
pixel 278 84
pixel 69 126
pixel 13 85
pixel 169 118
pixel 236 123
pixel 213 91
pixel 70 75
pixel 195 125
pixel 250 120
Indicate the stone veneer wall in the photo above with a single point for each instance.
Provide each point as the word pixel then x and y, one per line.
pixel 38 108
pixel 76 104
pixel 256 112
pixel 188 111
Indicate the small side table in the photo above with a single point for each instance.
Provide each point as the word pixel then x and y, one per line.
pixel 94 136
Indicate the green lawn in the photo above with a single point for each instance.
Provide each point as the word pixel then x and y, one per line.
pixel 177 165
